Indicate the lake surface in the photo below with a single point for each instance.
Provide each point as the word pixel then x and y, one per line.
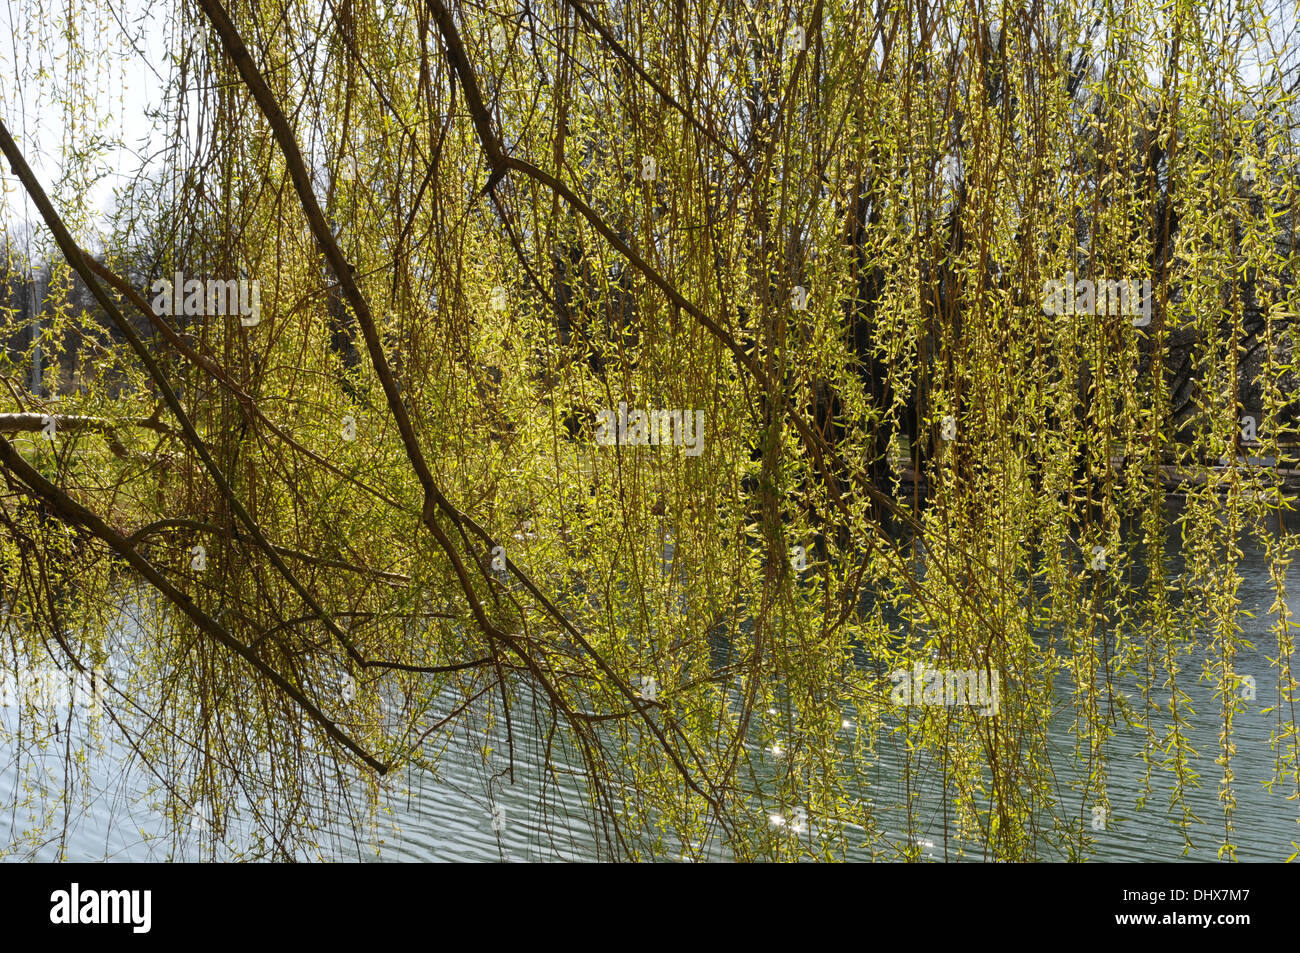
pixel 465 811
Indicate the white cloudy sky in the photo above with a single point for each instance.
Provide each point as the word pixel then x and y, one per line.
pixel 44 79
pixel 44 103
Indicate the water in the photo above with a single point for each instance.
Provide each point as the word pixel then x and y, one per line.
pixel 470 810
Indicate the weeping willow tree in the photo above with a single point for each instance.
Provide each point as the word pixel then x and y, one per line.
pixel 421 487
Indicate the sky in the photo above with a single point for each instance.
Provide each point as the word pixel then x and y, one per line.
pixel 122 60
pixel 123 67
